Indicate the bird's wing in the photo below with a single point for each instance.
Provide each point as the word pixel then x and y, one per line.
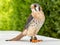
pixel 28 21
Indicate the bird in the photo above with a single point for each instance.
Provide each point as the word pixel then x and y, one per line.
pixel 33 25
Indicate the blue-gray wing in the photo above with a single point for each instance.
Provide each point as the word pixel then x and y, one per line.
pixel 28 21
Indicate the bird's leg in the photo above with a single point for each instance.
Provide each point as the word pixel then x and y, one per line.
pixel 34 39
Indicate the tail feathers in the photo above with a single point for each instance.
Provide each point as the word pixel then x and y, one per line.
pixel 17 37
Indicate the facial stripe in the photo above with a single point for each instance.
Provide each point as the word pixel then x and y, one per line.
pixel 39 8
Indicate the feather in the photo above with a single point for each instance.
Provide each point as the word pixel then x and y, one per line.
pixel 28 21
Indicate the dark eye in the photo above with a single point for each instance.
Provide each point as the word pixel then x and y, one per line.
pixel 35 6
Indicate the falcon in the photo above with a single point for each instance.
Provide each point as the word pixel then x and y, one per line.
pixel 33 24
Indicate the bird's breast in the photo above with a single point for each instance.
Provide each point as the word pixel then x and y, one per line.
pixel 36 23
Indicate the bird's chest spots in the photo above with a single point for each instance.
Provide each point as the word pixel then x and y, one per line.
pixel 35 22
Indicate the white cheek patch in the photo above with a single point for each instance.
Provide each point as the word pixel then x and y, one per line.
pixel 37 8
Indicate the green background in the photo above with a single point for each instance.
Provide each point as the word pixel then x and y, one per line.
pixel 14 13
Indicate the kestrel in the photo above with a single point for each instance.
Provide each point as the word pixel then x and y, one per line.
pixel 33 25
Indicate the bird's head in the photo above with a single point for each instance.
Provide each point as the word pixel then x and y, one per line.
pixel 35 7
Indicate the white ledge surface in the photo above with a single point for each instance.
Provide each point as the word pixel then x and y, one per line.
pixel 4 35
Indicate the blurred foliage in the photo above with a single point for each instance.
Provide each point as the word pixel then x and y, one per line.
pixel 14 13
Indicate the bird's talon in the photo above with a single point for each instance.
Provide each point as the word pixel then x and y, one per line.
pixel 34 41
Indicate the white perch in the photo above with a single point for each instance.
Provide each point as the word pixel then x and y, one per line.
pixel 4 35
